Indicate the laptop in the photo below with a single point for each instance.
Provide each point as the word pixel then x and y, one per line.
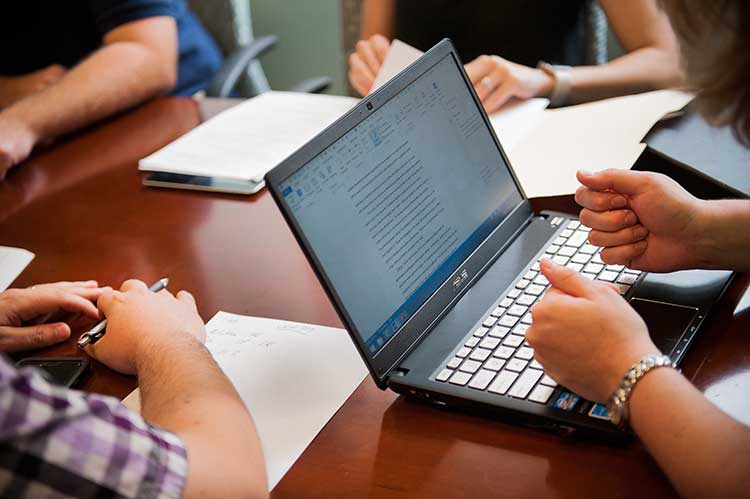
pixel 409 211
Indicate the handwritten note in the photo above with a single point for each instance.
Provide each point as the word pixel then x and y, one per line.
pixel 292 377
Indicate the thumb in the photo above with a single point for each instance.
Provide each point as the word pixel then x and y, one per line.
pixel 566 280
pixel 622 181
pixel 16 339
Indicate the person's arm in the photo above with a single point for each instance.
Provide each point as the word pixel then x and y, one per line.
pixel 15 88
pixel 652 58
pixel 727 245
pixel 377 18
pixel 159 338
pixel 704 452
pixel 587 337
pixel 137 61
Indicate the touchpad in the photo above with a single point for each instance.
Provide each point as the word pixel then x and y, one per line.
pixel 666 322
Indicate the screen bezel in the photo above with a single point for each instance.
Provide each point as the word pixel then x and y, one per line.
pixel 382 362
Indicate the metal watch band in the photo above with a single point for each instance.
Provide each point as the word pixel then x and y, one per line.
pixel 562 76
pixel 617 405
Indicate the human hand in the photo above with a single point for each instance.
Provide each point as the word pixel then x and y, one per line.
pixel 365 63
pixel 140 322
pixel 17 140
pixel 497 80
pixel 33 317
pixel 644 220
pixel 585 334
pixel 15 88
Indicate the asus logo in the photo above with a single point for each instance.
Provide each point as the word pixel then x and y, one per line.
pixel 460 279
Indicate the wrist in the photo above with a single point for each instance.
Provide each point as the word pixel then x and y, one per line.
pixel 152 349
pixel 706 239
pixel 19 117
pixel 618 404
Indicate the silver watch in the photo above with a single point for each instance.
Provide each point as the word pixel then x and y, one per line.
pixel 562 76
pixel 618 405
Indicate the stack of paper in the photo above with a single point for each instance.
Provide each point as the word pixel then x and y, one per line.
pixel 248 140
pixel 292 377
pixel 12 263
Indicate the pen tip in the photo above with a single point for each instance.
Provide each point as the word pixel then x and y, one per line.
pixel 165 281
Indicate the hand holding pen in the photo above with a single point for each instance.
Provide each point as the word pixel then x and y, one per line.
pixel 95 333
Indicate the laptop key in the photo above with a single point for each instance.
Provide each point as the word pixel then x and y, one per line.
pixel 494 364
pixel 536 266
pixel 502 382
pixel 472 342
pixel 593 268
pixel 459 378
pixel 526 300
pixel 551 250
pixel 588 249
pixel 513 293
pixel 454 362
pixel 560 260
pixel 627 279
pixel 566 233
pixel 507 302
pixel 546 380
pixel 482 379
pixel 567 251
pixel 513 340
pixel 503 352
pixel 498 311
pixel 508 321
pixel 530 275
pixel 581 258
pixel 615 268
pixel 536 365
pixel 470 366
pixel 522 284
pixel 480 354
pixel 516 365
pixel 575 266
pixel 499 331
pixel 541 394
pixel 520 329
pixel 535 289
pixel 573 224
pixel 577 239
pixel 525 353
pixel 527 319
pixel 525 383
pixel 517 310
pixel 607 276
pixel 490 343
pixel 481 331
pixel 444 375
pixel 489 321
pixel 463 352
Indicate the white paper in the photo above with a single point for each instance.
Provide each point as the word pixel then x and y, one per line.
pixel 248 140
pixel 12 263
pixel 400 55
pixel 593 136
pixel 292 377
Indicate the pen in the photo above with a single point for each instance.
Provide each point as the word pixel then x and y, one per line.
pixel 95 333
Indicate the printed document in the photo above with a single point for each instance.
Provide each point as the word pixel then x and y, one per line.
pixel 248 140
pixel 292 377
pixel 12 263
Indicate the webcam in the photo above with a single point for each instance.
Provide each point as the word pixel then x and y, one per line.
pixel 369 106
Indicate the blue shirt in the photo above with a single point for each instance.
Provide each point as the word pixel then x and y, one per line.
pixel 64 32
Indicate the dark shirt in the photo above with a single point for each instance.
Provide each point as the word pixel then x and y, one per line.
pixel 525 31
pixel 37 33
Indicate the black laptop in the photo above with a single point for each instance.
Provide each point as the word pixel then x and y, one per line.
pixel 410 213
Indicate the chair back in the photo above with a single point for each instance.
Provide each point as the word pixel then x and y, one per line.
pixel 229 22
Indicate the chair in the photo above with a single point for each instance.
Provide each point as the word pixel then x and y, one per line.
pixel 229 23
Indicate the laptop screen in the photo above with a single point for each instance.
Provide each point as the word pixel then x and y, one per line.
pixel 393 207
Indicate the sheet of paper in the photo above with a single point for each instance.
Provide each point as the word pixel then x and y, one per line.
pixel 400 55
pixel 248 140
pixel 511 123
pixel 292 377
pixel 593 136
pixel 12 263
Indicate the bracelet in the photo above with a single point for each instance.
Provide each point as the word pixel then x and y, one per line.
pixel 617 405
pixel 562 76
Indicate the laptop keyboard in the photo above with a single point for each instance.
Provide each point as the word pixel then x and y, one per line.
pixel 495 356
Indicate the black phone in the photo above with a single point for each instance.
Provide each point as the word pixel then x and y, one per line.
pixel 63 371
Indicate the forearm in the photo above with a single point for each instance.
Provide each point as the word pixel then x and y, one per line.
pixel 184 391
pixel 113 78
pixel 726 242
pixel 644 69
pixel 704 452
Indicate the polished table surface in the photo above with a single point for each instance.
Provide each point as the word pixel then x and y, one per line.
pixel 80 206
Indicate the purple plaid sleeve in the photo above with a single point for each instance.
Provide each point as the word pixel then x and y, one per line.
pixel 56 442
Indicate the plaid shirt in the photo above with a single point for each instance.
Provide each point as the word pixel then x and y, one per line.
pixel 56 442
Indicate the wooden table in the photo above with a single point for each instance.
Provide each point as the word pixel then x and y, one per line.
pixel 81 208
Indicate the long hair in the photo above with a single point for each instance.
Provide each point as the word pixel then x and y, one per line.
pixel 714 38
